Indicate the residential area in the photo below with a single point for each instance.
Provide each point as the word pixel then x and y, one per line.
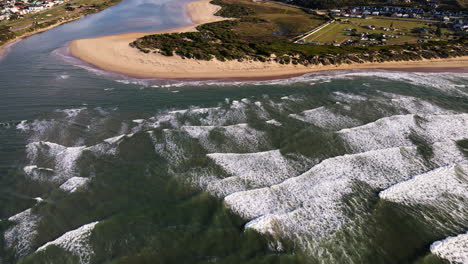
pixel 13 9
pixel 364 26
pixel 403 12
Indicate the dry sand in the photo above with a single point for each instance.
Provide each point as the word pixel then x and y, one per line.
pixel 113 53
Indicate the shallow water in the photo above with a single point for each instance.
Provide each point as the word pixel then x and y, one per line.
pixel 174 171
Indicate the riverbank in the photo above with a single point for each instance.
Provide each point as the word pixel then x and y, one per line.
pixel 113 53
pixel 4 47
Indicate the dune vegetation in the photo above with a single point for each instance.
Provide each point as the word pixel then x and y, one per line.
pixel 264 32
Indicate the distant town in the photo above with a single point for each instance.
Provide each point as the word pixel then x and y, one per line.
pixel 459 18
pixel 12 9
pixel 383 25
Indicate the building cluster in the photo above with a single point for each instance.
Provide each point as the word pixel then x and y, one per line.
pixel 458 20
pixel 13 8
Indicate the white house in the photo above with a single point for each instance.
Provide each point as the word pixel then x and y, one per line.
pixel 36 8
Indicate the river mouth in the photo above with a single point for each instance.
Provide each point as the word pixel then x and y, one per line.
pixel 336 167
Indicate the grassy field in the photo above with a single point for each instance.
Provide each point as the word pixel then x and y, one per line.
pixel 336 32
pixel 275 21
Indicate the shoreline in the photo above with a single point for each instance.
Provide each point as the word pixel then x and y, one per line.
pixel 7 45
pixel 113 54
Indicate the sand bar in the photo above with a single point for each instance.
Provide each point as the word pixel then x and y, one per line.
pixel 113 53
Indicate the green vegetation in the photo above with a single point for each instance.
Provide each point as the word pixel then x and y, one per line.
pixel 326 4
pixel 396 31
pixel 329 3
pixel 5 34
pixel 263 32
pixel 232 10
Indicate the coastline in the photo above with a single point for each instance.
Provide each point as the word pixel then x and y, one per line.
pixel 7 45
pixel 113 54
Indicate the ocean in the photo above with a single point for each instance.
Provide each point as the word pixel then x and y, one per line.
pixel 332 167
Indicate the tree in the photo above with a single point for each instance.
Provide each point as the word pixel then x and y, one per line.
pixel 14 16
pixel 438 31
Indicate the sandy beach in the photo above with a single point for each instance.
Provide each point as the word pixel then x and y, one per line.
pixel 113 53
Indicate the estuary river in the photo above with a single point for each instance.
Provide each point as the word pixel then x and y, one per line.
pixel 340 167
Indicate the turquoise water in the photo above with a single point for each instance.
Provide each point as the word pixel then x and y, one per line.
pixel 161 171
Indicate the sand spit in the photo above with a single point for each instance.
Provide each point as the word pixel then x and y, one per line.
pixel 113 53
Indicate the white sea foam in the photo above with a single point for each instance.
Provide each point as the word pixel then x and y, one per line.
pixel 273 122
pixel 138 121
pixel 73 184
pixel 324 118
pixel 63 76
pixel 31 168
pixel 63 160
pixel 239 136
pixel 214 116
pixel 22 125
pixel 395 131
pixel 235 114
pixel 311 205
pixel 431 186
pixel 38 199
pixel 252 170
pixel 76 242
pixel 442 81
pixel 38 127
pixel 349 97
pixel 417 106
pixel 21 235
pixel 197 110
pixel 453 249
pixel 166 146
pixel 115 139
pixel 72 112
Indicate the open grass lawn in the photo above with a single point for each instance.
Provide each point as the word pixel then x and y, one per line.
pixel 335 32
pixel 329 34
pixel 279 21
